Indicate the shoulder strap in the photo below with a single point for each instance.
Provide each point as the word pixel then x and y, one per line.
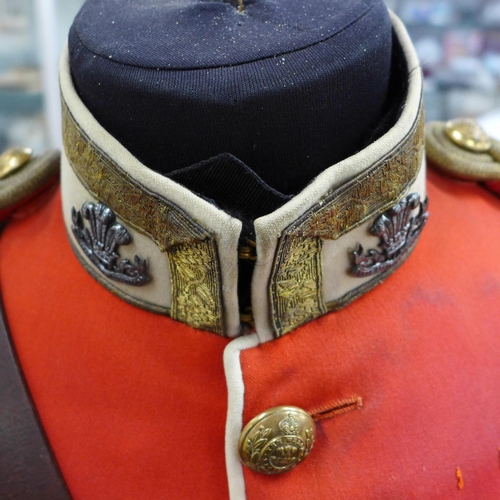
pixel 28 470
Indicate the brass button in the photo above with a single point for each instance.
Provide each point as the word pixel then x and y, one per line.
pixel 277 440
pixel 468 134
pixel 13 159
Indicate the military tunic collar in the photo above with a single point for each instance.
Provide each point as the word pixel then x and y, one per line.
pixel 161 247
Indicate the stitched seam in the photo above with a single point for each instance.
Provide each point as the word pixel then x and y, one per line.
pixel 106 57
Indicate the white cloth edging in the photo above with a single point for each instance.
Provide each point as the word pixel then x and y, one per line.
pixel 226 229
pixel 235 404
pixel 269 228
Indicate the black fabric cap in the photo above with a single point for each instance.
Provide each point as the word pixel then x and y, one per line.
pixel 288 87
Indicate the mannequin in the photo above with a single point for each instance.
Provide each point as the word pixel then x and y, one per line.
pixel 244 226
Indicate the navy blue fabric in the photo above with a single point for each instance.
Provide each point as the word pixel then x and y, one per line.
pixel 199 34
pixel 289 87
pixel 233 187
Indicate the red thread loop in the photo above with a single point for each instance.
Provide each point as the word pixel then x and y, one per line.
pixel 337 407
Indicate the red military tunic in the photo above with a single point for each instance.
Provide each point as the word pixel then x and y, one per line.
pixel 402 382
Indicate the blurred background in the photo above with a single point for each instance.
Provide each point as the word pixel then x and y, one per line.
pixel 458 42
pixel 32 34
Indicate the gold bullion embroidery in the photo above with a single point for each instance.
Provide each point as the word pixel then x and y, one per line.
pixel 173 231
pixel 339 211
pixel 369 193
pixel 194 267
pixel 297 283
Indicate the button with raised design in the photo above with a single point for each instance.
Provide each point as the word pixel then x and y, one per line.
pixel 277 440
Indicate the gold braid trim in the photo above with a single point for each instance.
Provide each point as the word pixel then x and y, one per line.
pixel 191 250
pixel 28 180
pixel 195 271
pixel 370 193
pixel 296 289
pixel 297 283
pixel 458 162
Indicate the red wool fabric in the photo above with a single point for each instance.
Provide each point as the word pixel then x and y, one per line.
pixel 130 400
pixel 134 404
pixel 494 187
pixel 422 350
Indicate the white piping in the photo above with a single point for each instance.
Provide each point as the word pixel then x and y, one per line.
pixel 235 403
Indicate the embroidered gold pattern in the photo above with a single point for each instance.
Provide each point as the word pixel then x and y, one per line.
pixel 194 267
pixel 340 211
pixel 370 193
pixel 196 296
pixel 296 284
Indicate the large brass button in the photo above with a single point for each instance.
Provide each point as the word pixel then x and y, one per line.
pixel 468 134
pixel 12 160
pixel 277 440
